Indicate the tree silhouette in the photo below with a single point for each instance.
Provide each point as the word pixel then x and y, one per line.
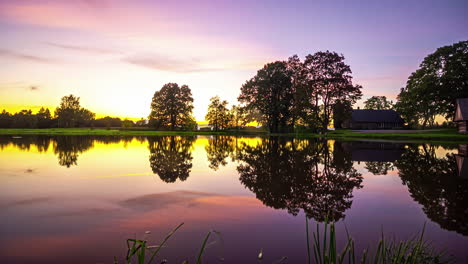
pixel 434 183
pixel 270 93
pixel 218 114
pixel 433 88
pixel 171 157
pixel 171 107
pixel 71 114
pixel 329 80
pixel 300 174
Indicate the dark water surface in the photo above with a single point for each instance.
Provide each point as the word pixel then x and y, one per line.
pixel 77 199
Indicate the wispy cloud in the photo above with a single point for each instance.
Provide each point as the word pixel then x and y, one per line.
pixel 170 64
pixel 87 49
pixel 28 57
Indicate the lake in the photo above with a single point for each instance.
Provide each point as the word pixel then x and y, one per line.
pixel 76 199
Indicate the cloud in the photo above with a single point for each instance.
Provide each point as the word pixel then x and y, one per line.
pixel 23 56
pixel 84 48
pixel 33 88
pixel 170 64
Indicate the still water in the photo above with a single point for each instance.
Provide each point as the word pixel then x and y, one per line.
pixel 77 199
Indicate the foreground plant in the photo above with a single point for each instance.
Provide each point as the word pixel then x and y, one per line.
pixel 412 251
pixel 325 251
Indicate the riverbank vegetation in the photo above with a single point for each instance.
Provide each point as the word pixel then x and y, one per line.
pixel 324 249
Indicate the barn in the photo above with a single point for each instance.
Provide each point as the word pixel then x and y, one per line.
pixel 461 115
pixel 374 119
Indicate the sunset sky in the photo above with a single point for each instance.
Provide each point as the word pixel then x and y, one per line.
pixel 116 54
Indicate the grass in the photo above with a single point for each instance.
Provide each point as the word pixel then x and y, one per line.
pixel 441 135
pixel 412 251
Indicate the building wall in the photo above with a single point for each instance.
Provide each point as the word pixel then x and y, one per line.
pixel 366 125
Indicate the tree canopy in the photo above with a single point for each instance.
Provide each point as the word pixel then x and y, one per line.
pixel 270 93
pixel 71 114
pixel 171 107
pixel 433 89
pixel 287 94
pixel 218 114
pixel 378 103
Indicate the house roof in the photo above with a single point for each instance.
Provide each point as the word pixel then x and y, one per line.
pixel 462 109
pixel 376 116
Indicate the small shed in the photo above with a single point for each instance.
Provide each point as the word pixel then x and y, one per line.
pixel 461 115
pixel 374 119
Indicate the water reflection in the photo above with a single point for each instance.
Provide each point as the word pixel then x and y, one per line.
pixel 434 183
pixel 312 175
pixel 300 174
pixel 218 149
pixel 171 157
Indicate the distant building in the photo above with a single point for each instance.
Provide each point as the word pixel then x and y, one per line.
pixel 204 127
pixel 374 119
pixel 461 115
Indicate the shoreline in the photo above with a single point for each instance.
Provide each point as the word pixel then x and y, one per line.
pixel 445 135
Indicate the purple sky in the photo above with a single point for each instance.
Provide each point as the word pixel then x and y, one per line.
pixel 116 54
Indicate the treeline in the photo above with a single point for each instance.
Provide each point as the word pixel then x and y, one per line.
pixel 282 96
pixel 69 114
pixel 285 96
pixel 432 89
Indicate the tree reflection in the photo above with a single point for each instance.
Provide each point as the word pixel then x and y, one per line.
pixel 41 143
pixel 379 167
pixel 300 174
pixel 218 149
pixel 171 157
pixel 434 183
pixel 67 148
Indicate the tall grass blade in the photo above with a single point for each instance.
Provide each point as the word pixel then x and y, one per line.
pixel 203 248
pixel 155 253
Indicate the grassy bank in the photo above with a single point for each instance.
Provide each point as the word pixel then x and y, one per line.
pixel 113 132
pixel 445 135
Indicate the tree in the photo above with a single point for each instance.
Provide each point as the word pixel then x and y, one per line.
pixel 378 103
pixel 71 114
pixel 328 81
pixel 270 93
pixel 342 111
pixel 433 89
pixel 44 118
pixel 6 120
pixel 218 114
pixel 171 107
pixel 24 119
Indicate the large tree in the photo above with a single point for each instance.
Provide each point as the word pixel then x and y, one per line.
pixel 270 93
pixel 329 81
pixel 218 114
pixel 71 114
pixel 171 107
pixel 433 89
pixel 378 103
